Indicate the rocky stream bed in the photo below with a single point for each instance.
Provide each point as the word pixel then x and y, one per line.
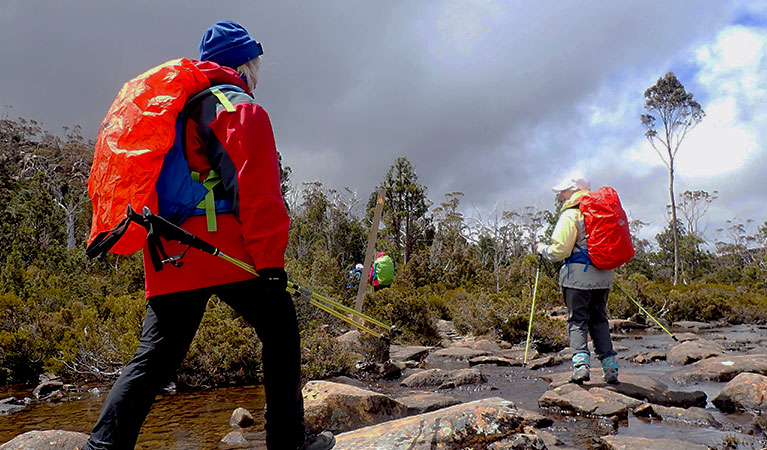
pixel 706 391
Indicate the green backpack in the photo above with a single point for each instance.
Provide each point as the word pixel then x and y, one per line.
pixel 385 270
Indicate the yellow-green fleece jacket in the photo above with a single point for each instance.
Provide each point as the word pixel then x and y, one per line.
pixel 569 231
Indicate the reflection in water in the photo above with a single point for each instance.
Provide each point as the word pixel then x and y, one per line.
pixel 185 420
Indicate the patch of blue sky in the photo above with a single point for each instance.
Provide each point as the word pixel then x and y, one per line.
pixel 750 19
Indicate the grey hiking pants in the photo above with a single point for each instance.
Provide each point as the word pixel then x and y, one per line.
pixel 587 314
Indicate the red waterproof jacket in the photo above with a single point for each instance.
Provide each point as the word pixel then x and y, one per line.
pixel 235 139
pixel 239 145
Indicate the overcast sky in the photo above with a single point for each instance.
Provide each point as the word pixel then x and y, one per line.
pixel 496 99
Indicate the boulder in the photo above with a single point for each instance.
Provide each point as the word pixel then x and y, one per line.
pixel 47 440
pixel 423 402
pixel 494 422
pixel 241 418
pixel 486 345
pixel 573 399
pixel 692 351
pixel 444 379
pixel 618 442
pixel 234 439
pixel 720 368
pixel 339 407
pixel 745 392
pixel 687 416
pixel 409 352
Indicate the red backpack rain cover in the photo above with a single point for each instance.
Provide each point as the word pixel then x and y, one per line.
pixel 135 136
pixel 607 229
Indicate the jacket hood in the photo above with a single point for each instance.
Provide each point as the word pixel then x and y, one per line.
pixel 575 200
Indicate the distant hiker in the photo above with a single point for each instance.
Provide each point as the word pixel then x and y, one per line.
pixel 382 272
pixel 584 286
pixel 228 136
pixel 355 275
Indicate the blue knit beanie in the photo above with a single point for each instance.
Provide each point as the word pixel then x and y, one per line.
pixel 228 44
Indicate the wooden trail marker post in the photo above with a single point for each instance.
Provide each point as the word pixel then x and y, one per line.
pixel 369 253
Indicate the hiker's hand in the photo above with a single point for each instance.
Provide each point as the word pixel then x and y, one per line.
pixel 540 247
pixel 274 279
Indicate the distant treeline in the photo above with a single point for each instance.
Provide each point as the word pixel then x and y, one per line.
pixel 63 313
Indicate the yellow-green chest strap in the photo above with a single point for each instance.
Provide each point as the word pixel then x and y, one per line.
pixel 209 202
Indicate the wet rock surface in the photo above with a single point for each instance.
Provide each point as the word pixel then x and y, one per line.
pixel 746 392
pixel 47 440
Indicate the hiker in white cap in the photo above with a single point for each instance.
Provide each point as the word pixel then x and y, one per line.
pixel 585 287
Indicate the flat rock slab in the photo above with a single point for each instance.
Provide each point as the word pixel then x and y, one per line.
pixel 640 387
pixel 615 442
pixel 409 352
pixel 545 361
pixel 573 399
pixel 340 407
pixel 444 379
pixel 684 337
pixel 688 416
pixel 489 421
pixel 692 351
pixel 10 405
pixel 693 325
pixel 745 392
pixel 486 345
pixel 720 368
pixel 519 353
pixel 458 353
pixel 494 360
pixel 47 440
pixel 423 402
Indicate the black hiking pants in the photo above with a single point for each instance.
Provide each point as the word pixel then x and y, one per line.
pixel 170 324
pixel 587 315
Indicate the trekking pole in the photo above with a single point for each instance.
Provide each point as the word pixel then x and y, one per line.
pixel 644 310
pixel 532 307
pixel 157 227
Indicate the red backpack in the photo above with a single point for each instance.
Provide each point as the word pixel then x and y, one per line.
pixel 607 229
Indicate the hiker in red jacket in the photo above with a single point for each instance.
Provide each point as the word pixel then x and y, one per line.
pixel 585 287
pixel 227 135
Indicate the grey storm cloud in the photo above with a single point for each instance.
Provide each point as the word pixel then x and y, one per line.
pixel 483 97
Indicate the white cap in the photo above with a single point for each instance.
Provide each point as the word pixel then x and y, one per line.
pixel 359 266
pixel 575 181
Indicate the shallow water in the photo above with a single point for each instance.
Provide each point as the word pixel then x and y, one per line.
pixel 184 420
pixel 198 420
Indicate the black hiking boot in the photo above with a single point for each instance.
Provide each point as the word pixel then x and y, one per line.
pixel 322 441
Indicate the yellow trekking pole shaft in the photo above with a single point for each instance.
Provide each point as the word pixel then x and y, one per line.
pixel 335 304
pixel 532 308
pixel 645 311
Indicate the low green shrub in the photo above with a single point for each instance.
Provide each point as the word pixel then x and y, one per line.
pixel 225 351
pixel 322 355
